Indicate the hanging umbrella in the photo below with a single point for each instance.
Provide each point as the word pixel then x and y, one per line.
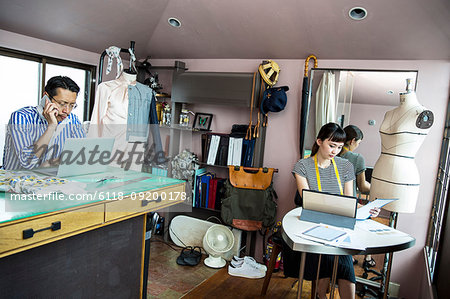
pixel 305 104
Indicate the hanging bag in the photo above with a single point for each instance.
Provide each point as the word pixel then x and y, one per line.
pixel 249 203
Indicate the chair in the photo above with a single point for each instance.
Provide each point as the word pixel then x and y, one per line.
pixel 366 288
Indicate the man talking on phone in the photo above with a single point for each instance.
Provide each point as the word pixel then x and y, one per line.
pixel 35 135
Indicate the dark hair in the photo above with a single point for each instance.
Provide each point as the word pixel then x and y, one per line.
pixel 332 131
pixel 353 132
pixel 60 82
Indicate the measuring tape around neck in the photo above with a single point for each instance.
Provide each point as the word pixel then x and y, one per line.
pixel 319 185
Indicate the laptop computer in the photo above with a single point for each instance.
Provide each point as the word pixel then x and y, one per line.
pixel 327 208
pixel 80 156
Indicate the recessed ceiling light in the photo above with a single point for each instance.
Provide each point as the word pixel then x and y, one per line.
pixel 174 22
pixel 390 92
pixel 357 13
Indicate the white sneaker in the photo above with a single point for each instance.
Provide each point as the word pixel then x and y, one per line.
pixel 237 261
pixel 246 270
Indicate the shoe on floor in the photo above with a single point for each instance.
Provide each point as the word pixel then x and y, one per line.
pixel 237 261
pixel 189 256
pixel 246 270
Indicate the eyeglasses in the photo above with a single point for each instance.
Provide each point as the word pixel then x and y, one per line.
pixel 63 104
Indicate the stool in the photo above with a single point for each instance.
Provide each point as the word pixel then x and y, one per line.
pixel 276 249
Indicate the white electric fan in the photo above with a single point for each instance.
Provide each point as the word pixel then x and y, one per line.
pixel 218 240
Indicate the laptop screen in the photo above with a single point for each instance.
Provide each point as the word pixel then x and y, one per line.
pixel 329 203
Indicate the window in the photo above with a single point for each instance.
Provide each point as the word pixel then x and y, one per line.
pixel 77 75
pixel 437 245
pixel 23 77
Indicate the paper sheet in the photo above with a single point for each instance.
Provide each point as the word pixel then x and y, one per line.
pixel 350 242
pixel 364 212
pixel 378 228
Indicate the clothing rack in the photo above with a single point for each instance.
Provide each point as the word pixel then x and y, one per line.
pixel 102 57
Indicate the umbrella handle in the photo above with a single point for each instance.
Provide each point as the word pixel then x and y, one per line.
pixel 307 63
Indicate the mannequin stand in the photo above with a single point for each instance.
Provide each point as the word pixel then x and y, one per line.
pixel 388 260
pixel 368 285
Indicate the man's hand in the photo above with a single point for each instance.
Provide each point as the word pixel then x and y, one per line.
pixel 50 112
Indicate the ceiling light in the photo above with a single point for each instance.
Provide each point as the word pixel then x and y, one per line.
pixel 357 13
pixel 174 22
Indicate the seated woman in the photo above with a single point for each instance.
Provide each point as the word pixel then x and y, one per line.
pixel 324 171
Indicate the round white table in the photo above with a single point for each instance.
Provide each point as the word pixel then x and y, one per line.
pixel 375 242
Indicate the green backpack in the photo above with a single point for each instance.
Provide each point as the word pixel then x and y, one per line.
pixel 248 203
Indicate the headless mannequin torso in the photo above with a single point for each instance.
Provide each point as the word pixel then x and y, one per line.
pixel 395 174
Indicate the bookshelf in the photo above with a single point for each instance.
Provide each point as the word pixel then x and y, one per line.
pixel 210 88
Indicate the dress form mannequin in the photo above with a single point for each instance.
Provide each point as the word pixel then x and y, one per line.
pixel 395 174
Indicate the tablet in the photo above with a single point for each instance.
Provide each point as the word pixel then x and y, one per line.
pixel 325 233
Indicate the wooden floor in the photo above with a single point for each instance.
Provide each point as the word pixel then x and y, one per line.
pixel 222 285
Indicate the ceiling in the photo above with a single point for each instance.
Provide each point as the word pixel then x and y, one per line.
pixel 287 29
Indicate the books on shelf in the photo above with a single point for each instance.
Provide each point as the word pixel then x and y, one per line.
pixel 221 149
pixel 208 191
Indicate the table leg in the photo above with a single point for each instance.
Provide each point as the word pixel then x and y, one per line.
pixel 300 276
pixel 388 276
pixel 333 276
pixel 316 282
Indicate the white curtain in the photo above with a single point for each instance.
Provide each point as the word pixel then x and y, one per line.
pixel 325 101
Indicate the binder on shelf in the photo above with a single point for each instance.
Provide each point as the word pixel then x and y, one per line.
pixel 213 148
pixel 222 152
pixel 196 193
pixel 247 152
pixel 205 188
pixel 230 151
pixel 237 151
pixel 212 193
pixel 206 139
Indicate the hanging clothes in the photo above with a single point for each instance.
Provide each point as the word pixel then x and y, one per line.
pixel 325 101
pixel 124 109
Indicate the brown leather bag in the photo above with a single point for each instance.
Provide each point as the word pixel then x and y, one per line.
pixel 240 178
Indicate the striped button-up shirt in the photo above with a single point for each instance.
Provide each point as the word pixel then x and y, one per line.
pixel 25 127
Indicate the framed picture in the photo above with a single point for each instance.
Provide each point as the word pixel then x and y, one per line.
pixel 202 121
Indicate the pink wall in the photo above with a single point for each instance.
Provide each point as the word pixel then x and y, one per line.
pixel 370 147
pixel 282 134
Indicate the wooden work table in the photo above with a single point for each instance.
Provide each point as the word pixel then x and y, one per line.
pixel 82 245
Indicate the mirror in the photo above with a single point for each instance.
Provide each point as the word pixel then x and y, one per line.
pixel 356 97
pixel 363 97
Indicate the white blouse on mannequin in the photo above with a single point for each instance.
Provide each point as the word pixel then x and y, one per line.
pixel 110 114
pixel 395 174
